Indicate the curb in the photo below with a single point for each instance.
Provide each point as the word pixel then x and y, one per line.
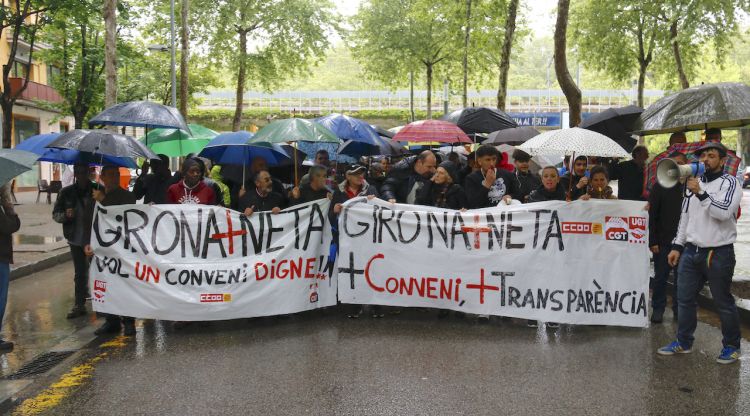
pixel 706 301
pixel 40 265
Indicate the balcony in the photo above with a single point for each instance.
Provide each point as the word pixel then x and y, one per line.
pixel 35 91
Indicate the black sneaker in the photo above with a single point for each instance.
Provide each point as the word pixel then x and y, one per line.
pixel 128 328
pixel 6 346
pixel 532 323
pixel 657 316
pixel 354 315
pixel 76 312
pixel 553 325
pixel 108 328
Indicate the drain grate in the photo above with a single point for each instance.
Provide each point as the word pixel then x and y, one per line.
pixel 41 364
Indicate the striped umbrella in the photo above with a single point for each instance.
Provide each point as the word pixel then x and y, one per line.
pixel 432 131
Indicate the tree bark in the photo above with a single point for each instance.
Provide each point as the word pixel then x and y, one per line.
pixel 467 38
pixel 510 28
pixel 240 81
pixel 184 58
pixel 429 89
pixel 110 52
pixel 677 56
pixel 567 84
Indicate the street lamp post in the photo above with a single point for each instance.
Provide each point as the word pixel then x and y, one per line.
pixel 174 72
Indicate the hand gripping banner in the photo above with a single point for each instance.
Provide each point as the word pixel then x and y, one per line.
pixel 197 262
pixel 584 262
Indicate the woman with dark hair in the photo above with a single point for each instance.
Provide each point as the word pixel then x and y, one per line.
pixel 442 191
pixel 551 189
pixel 598 187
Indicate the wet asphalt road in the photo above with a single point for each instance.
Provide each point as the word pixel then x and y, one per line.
pixel 413 363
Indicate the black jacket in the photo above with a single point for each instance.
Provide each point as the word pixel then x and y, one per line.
pixel 630 177
pixel 455 198
pixel 307 194
pixel 401 180
pixel 340 196
pixel 525 185
pixel 153 188
pixel 480 197
pixel 251 199
pixel 78 199
pixel 664 214
pixel 9 224
pixel 575 192
pixel 541 194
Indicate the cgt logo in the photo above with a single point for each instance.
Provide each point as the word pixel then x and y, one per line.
pixel 616 228
pixel 215 297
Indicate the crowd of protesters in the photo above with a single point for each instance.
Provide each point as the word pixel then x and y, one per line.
pixel 451 181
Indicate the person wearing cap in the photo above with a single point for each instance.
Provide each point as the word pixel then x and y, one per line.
pixel 703 250
pixel 526 182
pixel 261 197
pixel 191 189
pixel 153 186
pixel 353 186
pixel 442 191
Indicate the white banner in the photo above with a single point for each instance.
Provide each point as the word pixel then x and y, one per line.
pixel 197 262
pixel 584 262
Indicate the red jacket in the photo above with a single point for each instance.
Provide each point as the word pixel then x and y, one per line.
pixel 200 194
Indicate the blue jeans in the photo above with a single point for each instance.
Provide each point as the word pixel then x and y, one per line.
pixel 661 274
pixel 716 266
pixel 4 283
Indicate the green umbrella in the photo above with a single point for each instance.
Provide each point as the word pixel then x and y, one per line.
pixel 15 162
pixel 294 130
pixel 176 142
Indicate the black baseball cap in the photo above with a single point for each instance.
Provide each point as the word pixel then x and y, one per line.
pixel 356 170
pixel 712 145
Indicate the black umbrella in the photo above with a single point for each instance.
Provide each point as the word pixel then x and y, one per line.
pixel 383 132
pixel 385 147
pixel 474 120
pixel 513 137
pixel 141 114
pixel 615 123
pixel 721 105
pixel 103 143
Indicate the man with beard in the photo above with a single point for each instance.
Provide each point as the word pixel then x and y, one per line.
pixel 74 209
pixel 261 197
pixel 408 176
pixel 703 250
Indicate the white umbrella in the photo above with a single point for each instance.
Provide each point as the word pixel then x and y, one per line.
pixel 573 141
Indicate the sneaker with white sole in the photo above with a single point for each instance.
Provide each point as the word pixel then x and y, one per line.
pixel 674 348
pixel 728 355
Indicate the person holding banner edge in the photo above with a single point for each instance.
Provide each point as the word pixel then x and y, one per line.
pixel 703 250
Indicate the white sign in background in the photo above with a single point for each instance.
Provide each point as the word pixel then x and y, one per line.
pixel 583 262
pixel 197 262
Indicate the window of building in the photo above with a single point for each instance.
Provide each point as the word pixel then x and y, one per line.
pixel 23 129
pixel 19 70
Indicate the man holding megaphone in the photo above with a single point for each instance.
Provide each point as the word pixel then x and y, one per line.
pixel 703 250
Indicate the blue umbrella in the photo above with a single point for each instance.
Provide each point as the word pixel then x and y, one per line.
pixel 310 149
pixel 37 145
pixel 349 128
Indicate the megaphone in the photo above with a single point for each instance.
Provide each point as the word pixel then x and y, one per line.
pixel 669 173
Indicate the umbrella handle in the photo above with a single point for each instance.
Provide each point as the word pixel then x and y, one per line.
pixel 296 174
pixel 571 163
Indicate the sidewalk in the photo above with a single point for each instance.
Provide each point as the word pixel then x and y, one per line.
pixel 39 244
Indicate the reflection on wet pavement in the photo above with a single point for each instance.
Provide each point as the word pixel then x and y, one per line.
pixel 35 239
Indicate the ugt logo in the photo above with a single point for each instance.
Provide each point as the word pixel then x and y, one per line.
pixel 616 228
pixel 100 289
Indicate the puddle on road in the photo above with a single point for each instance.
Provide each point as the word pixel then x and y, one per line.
pixel 35 240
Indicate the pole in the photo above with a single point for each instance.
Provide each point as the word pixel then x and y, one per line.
pixel 174 72
pixel 411 96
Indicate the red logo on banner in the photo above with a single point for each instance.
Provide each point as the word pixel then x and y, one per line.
pixel 616 228
pixel 577 228
pixel 100 289
pixel 638 227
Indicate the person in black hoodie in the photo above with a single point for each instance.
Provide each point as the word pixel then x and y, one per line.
pixel 663 219
pixel 526 181
pixel 408 176
pixel 442 191
pixel 579 178
pixel 489 186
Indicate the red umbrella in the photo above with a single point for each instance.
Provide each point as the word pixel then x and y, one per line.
pixel 432 131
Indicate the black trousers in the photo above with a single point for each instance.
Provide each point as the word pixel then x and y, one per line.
pixel 81 274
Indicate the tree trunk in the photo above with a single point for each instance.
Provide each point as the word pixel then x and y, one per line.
pixel 7 108
pixel 467 38
pixel 568 86
pixel 510 28
pixel 110 52
pixel 677 56
pixel 240 82
pixel 184 59
pixel 429 89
